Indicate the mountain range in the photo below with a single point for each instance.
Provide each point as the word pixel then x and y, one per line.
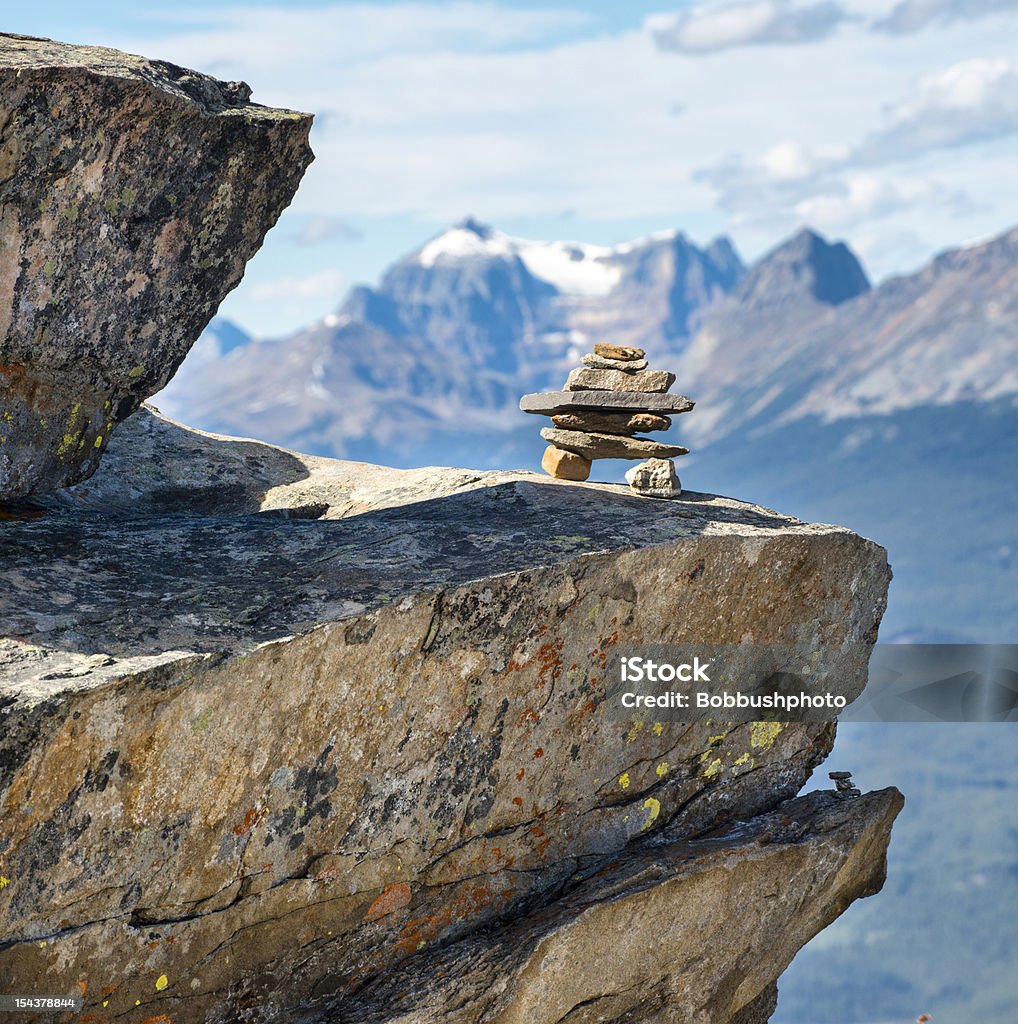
pixel 815 390
pixel 452 335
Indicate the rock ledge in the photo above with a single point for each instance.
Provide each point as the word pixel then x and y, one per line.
pixel 279 733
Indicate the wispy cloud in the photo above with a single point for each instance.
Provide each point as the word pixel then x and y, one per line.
pixel 969 102
pixel 322 228
pixel 711 28
pixel 862 198
pixel 915 15
pixel 973 101
pixel 323 285
pixel 790 109
pixel 345 33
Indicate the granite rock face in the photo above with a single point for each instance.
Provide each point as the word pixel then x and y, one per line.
pixel 132 194
pixel 551 403
pixel 612 422
pixel 654 936
pixel 278 732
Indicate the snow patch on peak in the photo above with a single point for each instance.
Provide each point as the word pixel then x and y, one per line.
pixel 460 243
pixel 572 268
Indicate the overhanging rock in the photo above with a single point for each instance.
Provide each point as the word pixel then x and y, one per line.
pixel 672 929
pixel 276 727
pixel 132 194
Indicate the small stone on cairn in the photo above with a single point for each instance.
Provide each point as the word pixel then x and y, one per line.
pixel 656 478
pixel 605 403
pixel 565 465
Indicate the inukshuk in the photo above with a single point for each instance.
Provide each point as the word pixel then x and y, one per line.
pixel 606 402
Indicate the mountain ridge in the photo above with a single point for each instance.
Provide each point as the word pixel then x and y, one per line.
pixel 462 325
pixel 941 335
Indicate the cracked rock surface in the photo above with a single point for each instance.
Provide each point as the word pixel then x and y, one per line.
pixel 285 738
pixel 132 194
pixel 672 923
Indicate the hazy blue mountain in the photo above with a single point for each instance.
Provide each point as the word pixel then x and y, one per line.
pixel 806 266
pixel 944 335
pixel 476 292
pixel 429 365
pixel 941 937
pixel 219 338
pixel 894 412
pixel 226 334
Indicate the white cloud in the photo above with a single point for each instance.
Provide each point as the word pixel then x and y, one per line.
pixel 783 176
pixel 915 15
pixel 972 101
pixel 837 186
pixel 871 197
pixel 710 28
pixel 325 228
pixel 326 284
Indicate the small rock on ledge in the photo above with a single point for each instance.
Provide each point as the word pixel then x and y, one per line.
pixel 655 478
pixel 565 465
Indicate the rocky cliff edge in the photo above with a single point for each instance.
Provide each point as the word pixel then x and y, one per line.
pixel 286 738
pixel 132 194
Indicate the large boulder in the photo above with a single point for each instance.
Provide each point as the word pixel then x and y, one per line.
pixel 132 194
pixel 276 727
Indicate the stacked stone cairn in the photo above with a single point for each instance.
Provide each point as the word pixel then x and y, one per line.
pixel 606 402
pixel 844 785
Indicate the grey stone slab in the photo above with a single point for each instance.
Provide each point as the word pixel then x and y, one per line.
pixel 586 378
pixel 549 403
pixel 611 446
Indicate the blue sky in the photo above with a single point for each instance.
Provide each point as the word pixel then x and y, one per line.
pixel 890 123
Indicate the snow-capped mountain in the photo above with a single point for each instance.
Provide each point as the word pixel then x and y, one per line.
pixel 435 357
pixel 442 348
pixel 508 303
pixel 429 364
